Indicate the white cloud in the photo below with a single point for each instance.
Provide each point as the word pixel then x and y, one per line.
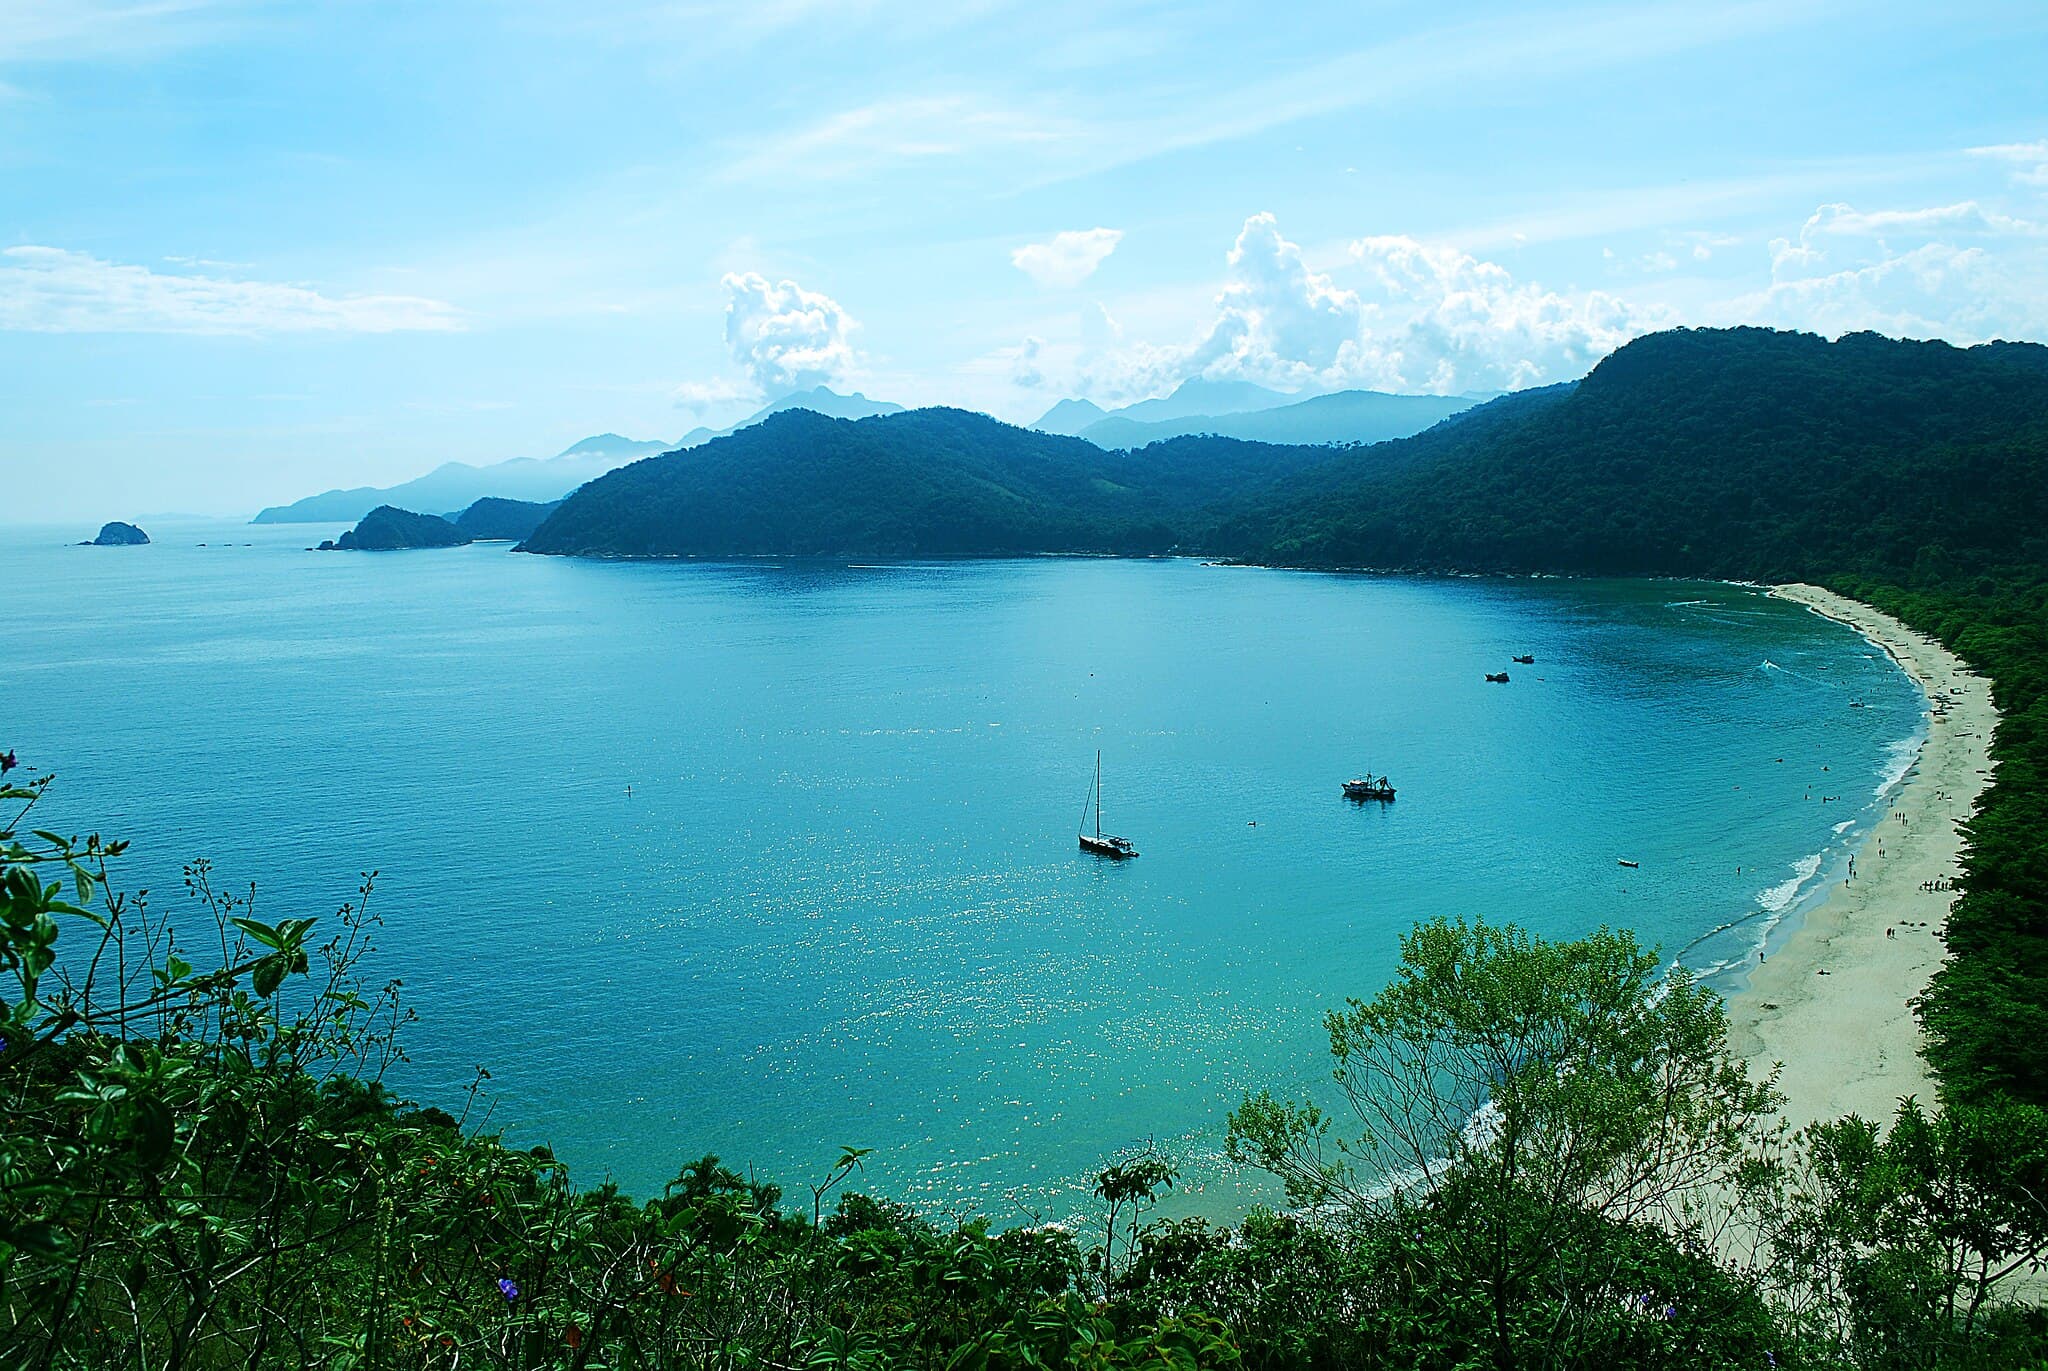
pixel 1026 369
pixel 1277 321
pixel 1935 290
pixel 1958 272
pixel 2029 161
pixel 1702 243
pixel 51 290
pixel 1068 258
pixel 698 396
pixel 1966 217
pixel 1405 316
pixel 1443 320
pixel 785 337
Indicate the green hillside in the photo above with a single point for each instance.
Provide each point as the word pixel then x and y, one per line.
pixel 926 483
pixel 1740 453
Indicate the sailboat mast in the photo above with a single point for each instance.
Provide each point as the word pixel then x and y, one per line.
pixel 1098 792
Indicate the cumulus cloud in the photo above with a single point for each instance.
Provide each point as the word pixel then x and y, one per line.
pixel 1958 272
pixel 785 337
pixel 1967 218
pixel 51 290
pixel 1276 320
pixel 1068 258
pixel 1400 314
pixel 1443 320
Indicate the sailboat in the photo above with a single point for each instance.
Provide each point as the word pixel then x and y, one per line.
pixel 1100 843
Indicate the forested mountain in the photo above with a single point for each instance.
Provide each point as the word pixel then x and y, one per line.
pixel 1741 453
pixel 926 483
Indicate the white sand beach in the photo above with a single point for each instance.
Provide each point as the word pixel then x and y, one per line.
pixel 1832 1006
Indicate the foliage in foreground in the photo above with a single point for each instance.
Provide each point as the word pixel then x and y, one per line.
pixel 200 1168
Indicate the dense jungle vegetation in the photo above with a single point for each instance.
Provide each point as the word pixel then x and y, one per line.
pixel 925 483
pixel 201 1167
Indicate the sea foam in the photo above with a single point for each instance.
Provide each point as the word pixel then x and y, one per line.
pixel 1785 893
pixel 1898 760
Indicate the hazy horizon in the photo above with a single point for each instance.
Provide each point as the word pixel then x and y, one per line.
pixel 253 252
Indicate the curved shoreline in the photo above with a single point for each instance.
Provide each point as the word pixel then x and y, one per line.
pixel 1832 1005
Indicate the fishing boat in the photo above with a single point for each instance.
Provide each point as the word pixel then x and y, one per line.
pixel 1100 843
pixel 1369 787
pixel 1526 659
pixel 1497 677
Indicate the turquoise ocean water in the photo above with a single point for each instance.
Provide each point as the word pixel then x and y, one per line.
pixel 842 904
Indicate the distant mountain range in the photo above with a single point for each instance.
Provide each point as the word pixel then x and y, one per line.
pixel 458 485
pixel 1239 409
pixel 1348 416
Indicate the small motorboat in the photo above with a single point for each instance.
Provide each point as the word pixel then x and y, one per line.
pixel 1627 863
pixel 1497 677
pixel 1526 659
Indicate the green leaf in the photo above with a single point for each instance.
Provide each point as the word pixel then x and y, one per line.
pixel 269 975
pixel 261 932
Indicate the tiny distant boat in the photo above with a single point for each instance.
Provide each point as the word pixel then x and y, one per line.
pixel 1100 843
pixel 1370 787
pixel 1497 677
pixel 1526 659
pixel 1627 863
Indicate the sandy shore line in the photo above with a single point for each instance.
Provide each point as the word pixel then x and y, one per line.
pixel 1832 1005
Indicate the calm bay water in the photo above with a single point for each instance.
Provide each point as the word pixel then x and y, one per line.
pixel 842 902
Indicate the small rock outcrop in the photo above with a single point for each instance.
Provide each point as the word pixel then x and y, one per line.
pixel 118 534
pixel 388 528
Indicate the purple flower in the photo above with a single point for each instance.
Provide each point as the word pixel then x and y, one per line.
pixel 510 1291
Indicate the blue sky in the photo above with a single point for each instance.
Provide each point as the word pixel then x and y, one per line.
pixel 249 251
